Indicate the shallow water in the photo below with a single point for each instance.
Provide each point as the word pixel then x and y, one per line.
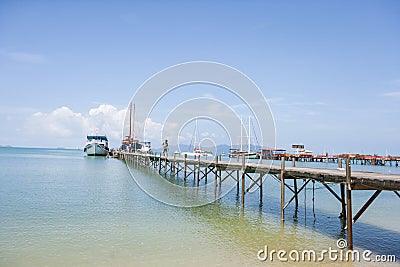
pixel 60 208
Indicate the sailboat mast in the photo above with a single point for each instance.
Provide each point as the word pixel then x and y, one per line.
pixel 241 134
pixel 133 123
pixel 195 137
pixel 130 122
pixel 249 133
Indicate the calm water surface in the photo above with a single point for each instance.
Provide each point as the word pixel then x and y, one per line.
pixel 60 208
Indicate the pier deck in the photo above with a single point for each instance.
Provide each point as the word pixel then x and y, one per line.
pixel 359 180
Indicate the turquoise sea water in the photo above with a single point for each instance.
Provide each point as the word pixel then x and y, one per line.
pixel 60 208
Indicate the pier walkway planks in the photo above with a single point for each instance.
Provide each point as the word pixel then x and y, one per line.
pixel 359 180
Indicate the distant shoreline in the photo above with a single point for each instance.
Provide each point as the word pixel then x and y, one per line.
pixel 52 148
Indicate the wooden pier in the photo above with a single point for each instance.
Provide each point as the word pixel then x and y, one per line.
pixel 241 171
pixel 373 160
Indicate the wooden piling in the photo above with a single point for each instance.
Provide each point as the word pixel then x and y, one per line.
pixel 184 167
pixel 261 186
pixel 159 164
pixel 243 179
pixel 198 172
pixel 173 165
pixel 215 177
pixel 237 182
pixel 282 188
pixel 343 201
pixel 296 198
pixel 205 173
pixel 349 206
pixel 165 166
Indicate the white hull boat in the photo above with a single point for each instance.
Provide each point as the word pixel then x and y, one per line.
pixel 96 145
pixel 198 153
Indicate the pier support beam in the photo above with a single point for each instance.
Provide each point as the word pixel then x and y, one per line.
pixel 366 205
pixel 237 182
pixel 349 207
pixel 215 177
pixel 165 166
pixel 261 187
pixel 296 199
pixel 282 189
pixel 198 172
pixel 184 167
pixel 243 179
pixel 159 164
pixel 342 196
pixel 173 166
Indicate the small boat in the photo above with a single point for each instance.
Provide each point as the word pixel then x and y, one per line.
pixel 145 147
pixel 97 145
pixel 238 153
pixel 235 153
pixel 198 152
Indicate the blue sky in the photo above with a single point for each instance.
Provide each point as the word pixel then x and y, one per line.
pixel 330 69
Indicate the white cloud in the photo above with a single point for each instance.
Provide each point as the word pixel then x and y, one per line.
pixel 152 129
pixel 24 57
pixel 392 94
pixel 61 122
pixel 67 128
pixel 106 119
pixel 64 127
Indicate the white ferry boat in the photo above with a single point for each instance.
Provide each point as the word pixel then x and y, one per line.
pixel 97 145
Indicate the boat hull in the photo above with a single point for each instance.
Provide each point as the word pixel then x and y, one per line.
pixel 94 149
pixel 251 155
pixel 196 154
